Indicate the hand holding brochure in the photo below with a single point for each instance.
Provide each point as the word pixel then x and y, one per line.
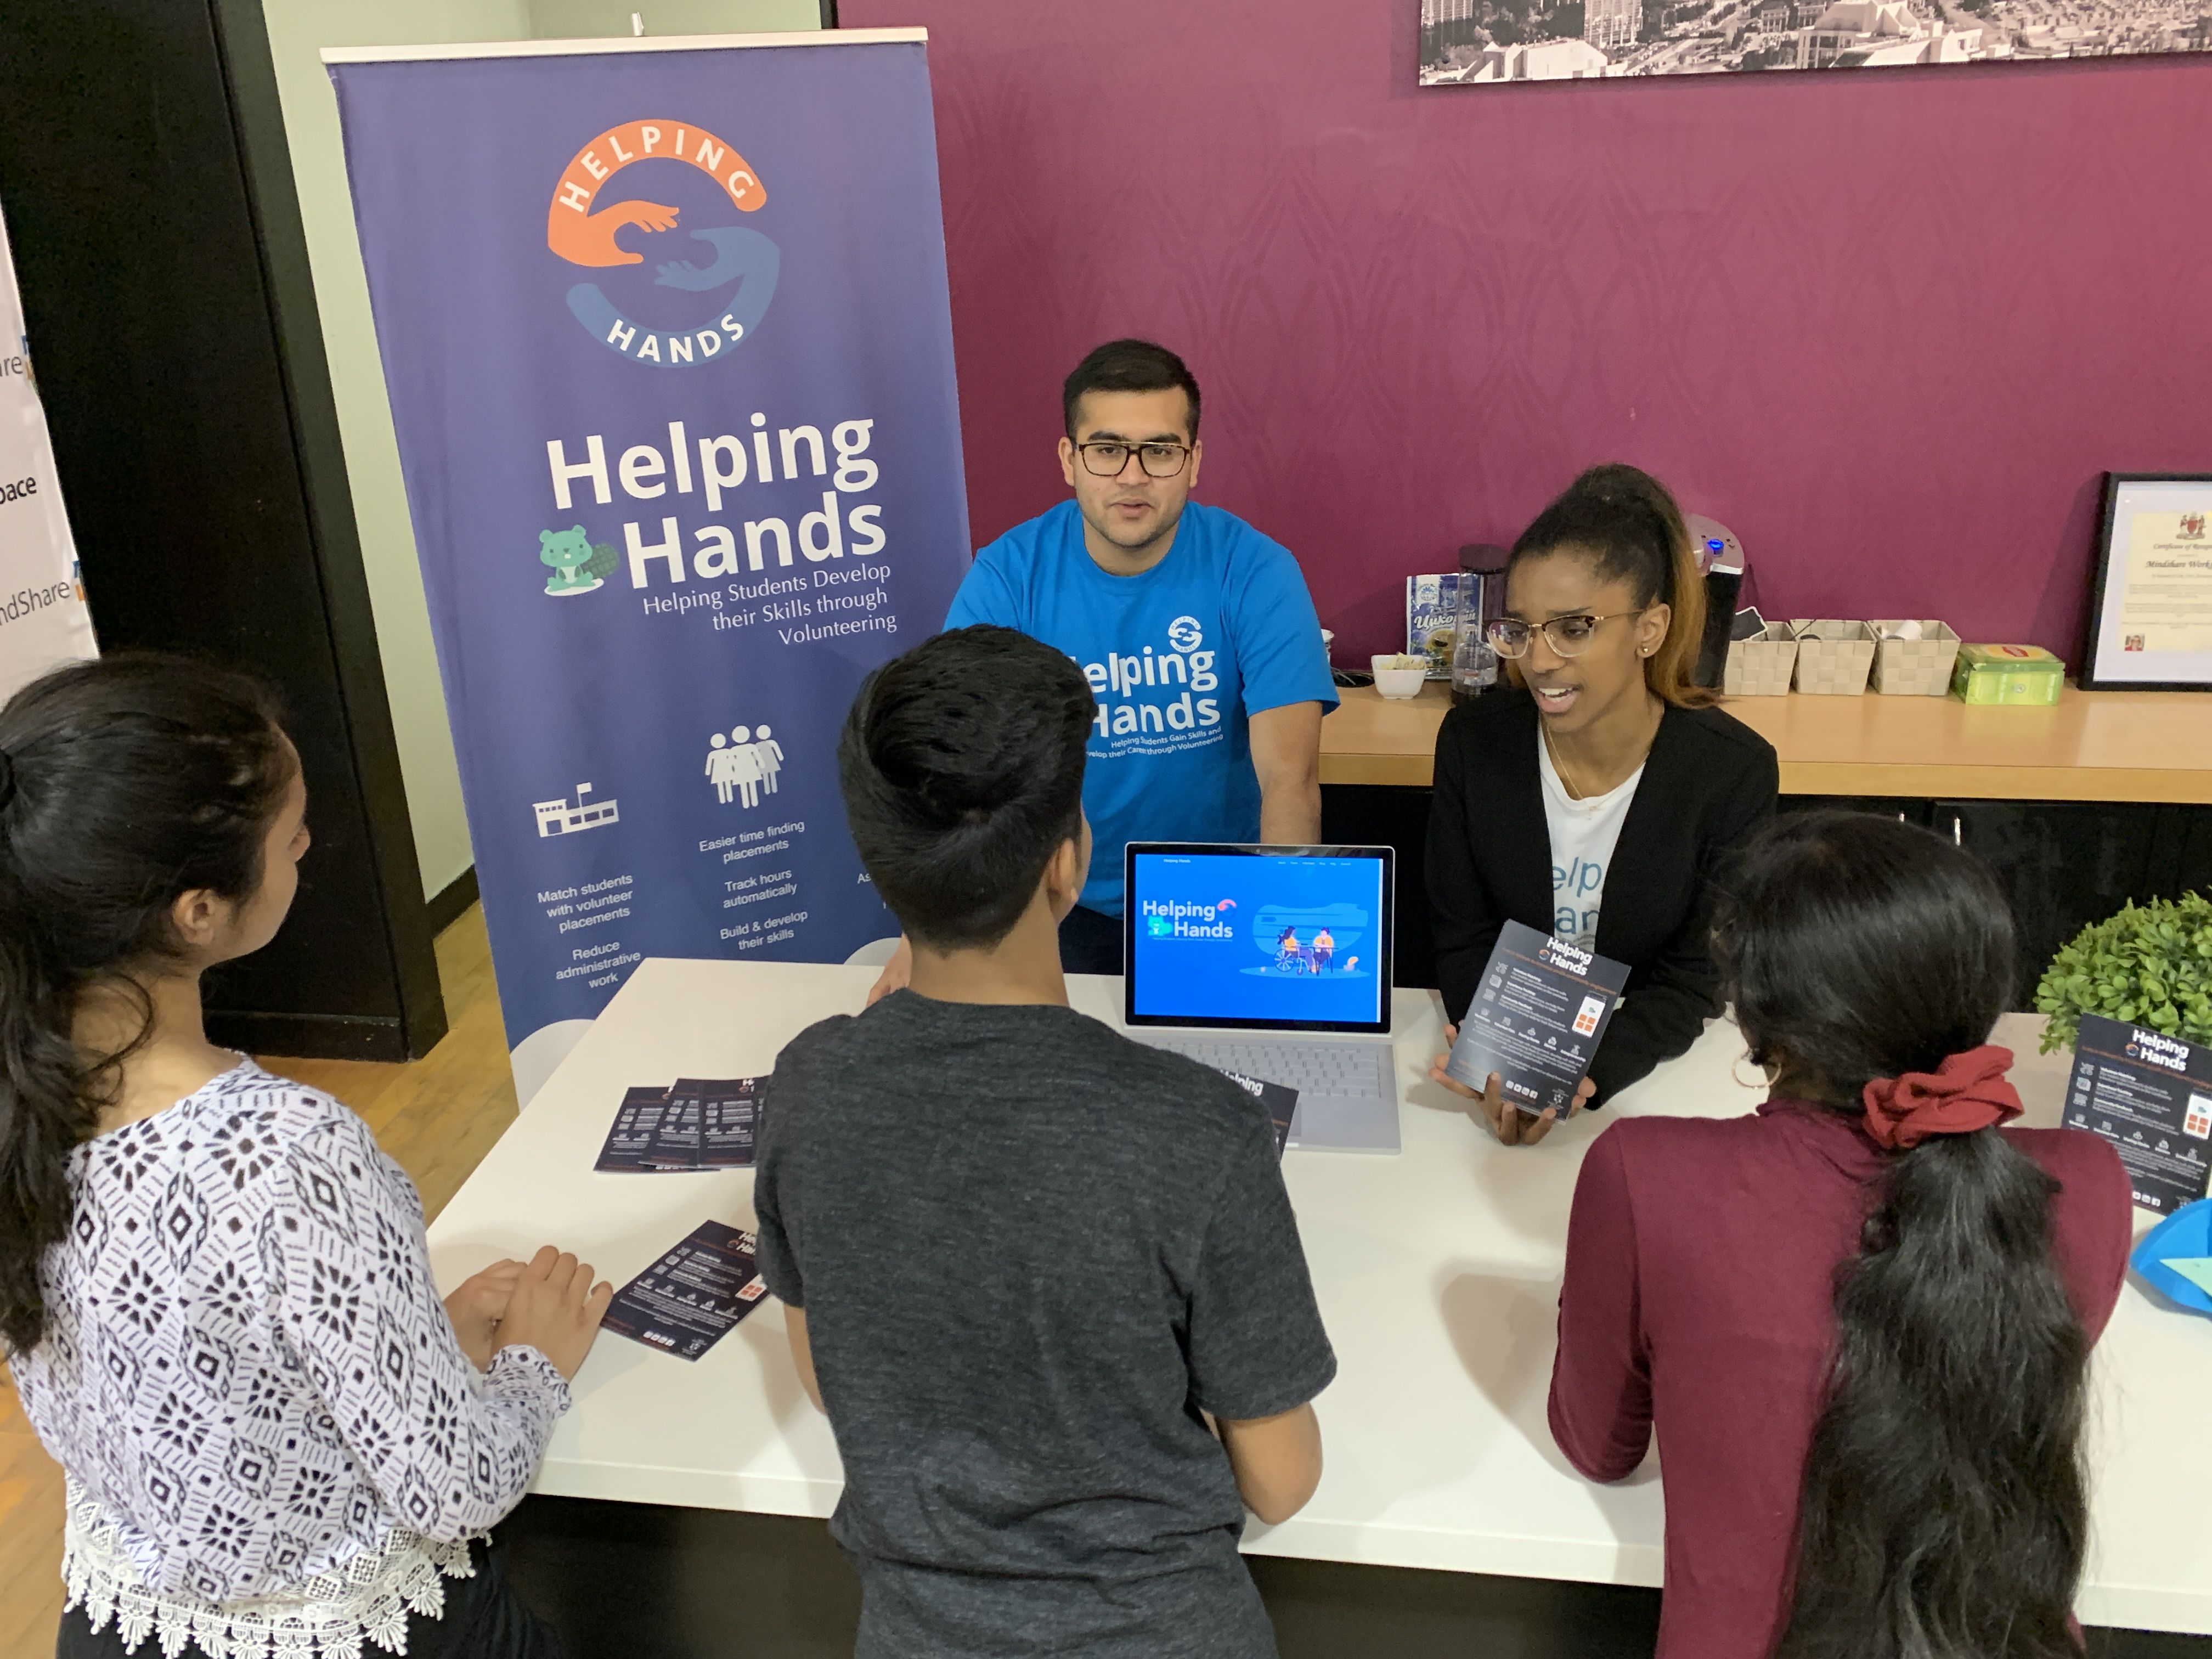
pixel 1536 1019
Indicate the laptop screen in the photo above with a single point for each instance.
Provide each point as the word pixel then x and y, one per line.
pixel 1276 938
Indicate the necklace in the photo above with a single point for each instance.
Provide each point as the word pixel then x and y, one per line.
pixel 1575 791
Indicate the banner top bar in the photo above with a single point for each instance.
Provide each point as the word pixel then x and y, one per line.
pixel 618 44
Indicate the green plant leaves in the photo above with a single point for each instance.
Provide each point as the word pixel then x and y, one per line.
pixel 2151 965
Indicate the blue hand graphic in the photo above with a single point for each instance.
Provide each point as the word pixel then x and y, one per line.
pixel 738 252
pixel 744 256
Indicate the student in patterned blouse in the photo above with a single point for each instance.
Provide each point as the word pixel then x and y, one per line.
pixel 214 1291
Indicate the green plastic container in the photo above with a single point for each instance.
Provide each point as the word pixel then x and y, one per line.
pixel 2013 674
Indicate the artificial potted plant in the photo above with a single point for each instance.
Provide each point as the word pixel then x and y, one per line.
pixel 2149 965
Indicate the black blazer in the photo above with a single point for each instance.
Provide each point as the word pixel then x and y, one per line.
pixel 1709 782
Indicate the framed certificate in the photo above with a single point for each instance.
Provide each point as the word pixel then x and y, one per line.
pixel 2150 620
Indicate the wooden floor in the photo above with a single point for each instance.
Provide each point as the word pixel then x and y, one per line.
pixel 436 1117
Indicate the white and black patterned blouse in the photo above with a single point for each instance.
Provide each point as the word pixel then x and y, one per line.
pixel 248 1375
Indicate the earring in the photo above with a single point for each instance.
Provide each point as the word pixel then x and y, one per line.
pixel 1736 1073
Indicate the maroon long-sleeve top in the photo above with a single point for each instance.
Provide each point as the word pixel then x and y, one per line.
pixel 1699 1301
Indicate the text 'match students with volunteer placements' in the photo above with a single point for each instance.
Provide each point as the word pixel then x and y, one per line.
pixel 215 1294
pixel 1194 631
pixel 1596 797
pixel 1029 1266
pixel 1859 1320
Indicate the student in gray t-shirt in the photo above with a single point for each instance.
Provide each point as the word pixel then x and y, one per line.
pixel 1031 1267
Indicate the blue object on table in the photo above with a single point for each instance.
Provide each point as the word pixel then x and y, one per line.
pixel 2176 1256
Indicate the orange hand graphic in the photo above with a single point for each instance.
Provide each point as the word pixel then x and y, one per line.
pixel 590 240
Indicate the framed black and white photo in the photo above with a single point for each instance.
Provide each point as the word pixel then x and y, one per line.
pixel 1505 42
pixel 2150 616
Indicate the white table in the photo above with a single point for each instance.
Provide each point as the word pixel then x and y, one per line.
pixel 1437 1272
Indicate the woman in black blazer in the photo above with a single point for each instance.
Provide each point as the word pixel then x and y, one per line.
pixel 1598 794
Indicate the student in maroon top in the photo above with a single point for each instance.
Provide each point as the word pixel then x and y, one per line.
pixel 1859 1320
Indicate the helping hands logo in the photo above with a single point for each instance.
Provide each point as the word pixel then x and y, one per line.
pixel 743 259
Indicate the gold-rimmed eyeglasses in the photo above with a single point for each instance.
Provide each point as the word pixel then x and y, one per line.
pixel 1568 636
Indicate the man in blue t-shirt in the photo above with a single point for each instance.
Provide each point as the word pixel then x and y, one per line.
pixel 1195 631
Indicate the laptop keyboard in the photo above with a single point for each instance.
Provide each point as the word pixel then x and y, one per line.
pixel 1358 1070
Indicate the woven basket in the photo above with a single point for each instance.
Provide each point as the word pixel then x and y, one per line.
pixel 1760 666
pixel 1915 668
pixel 1833 657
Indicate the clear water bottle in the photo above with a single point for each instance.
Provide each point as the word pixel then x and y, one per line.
pixel 1473 663
pixel 1474 666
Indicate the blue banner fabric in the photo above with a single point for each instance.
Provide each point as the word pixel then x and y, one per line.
pixel 670 356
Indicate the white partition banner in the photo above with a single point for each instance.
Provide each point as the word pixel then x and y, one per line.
pixel 43 619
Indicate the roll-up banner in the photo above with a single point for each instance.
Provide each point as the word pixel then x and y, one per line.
pixel 668 346
pixel 43 619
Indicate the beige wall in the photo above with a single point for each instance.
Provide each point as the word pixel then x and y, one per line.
pixel 567 20
pixel 298 30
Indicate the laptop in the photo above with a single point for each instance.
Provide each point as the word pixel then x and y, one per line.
pixel 1274 962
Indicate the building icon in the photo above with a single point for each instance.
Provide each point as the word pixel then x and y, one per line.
pixel 558 818
pixel 1612 25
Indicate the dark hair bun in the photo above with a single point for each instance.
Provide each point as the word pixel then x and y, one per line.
pixel 1626 523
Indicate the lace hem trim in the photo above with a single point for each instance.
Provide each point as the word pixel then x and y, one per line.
pixel 368 1600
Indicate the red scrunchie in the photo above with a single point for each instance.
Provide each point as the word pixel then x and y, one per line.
pixel 1967 1092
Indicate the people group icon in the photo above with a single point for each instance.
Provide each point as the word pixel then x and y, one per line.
pixel 743 764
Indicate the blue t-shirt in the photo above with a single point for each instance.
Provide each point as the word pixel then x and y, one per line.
pixel 1179 658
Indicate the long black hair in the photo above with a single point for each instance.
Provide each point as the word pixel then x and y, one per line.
pixel 125 784
pixel 1626 523
pixel 1944 1509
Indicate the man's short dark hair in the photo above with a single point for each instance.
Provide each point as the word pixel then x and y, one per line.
pixel 961 764
pixel 1128 365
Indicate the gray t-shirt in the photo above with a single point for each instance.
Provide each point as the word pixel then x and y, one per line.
pixel 1031 1251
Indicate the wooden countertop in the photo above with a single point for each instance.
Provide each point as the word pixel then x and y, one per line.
pixel 2091 745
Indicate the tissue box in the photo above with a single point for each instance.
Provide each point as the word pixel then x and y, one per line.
pixel 1833 657
pixel 1760 665
pixel 1914 668
pixel 2018 674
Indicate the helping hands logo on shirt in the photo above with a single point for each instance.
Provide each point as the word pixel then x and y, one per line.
pixel 1161 707
pixel 742 258
pixel 1579 879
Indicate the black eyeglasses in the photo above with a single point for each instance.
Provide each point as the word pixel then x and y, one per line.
pixel 1106 460
pixel 1569 636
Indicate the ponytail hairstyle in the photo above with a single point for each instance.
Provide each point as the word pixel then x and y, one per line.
pixel 125 784
pixel 1624 521
pixel 962 767
pixel 1944 1510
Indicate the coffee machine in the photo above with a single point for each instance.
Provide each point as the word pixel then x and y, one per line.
pixel 1721 561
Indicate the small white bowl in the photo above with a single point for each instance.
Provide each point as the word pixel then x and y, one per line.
pixel 1395 682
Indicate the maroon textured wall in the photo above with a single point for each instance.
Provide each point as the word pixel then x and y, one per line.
pixel 1888 326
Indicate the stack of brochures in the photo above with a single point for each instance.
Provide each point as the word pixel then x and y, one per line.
pixel 694 1123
